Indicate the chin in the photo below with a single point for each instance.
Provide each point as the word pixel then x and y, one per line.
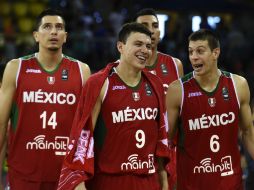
pixel 53 49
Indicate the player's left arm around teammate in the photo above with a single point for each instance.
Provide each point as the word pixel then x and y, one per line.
pixel 245 117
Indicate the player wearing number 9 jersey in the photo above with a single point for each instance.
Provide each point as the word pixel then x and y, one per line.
pixel 40 94
pixel 119 138
pixel 210 105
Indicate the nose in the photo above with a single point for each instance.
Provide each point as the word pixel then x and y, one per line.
pixel 151 29
pixel 193 55
pixel 145 50
pixel 54 30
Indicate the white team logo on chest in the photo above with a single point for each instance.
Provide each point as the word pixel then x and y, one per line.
pixel 153 72
pixel 135 96
pixel 51 80
pixel 212 101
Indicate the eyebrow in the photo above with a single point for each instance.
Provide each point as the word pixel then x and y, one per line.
pixel 201 46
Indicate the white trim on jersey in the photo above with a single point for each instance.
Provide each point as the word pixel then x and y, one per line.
pixel 106 91
pixel 177 72
pixel 81 73
pixel 182 96
pixel 235 90
pixel 18 72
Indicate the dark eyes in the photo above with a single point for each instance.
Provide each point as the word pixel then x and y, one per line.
pixel 50 26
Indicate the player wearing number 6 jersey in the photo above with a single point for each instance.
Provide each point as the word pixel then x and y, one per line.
pixel 119 135
pixel 209 104
pixel 40 94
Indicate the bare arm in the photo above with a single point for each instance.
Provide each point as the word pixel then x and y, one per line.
pixel 95 114
pixel 2 158
pixel 246 124
pixel 173 104
pixel 86 72
pixel 179 67
pixel 6 95
pixel 162 174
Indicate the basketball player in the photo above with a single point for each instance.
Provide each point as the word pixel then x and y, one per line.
pixel 124 109
pixel 210 105
pixel 39 94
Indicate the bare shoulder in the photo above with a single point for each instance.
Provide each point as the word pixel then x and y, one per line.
pixel 175 86
pixel 178 61
pixel 239 80
pixel 174 92
pixel 179 66
pixel 11 70
pixel 242 87
pixel 13 64
pixel 85 70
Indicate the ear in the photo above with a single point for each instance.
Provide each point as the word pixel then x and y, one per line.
pixel 160 36
pixel 216 52
pixel 35 34
pixel 120 46
pixel 66 34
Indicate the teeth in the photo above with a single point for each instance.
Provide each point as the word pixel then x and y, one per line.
pixel 198 66
pixel 141 57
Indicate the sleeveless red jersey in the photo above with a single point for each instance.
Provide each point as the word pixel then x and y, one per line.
pixel 165 68
pixel 208 154
pixel 126 133
pixel 42 115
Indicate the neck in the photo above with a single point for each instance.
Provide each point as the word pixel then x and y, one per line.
pixel 209 81
pixel 129 75
pixel 153 57
pixel 50 59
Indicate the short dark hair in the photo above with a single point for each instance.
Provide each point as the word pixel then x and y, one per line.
pixel 205 34
pixel 128 28
pixel 48 12
pixel 143 12
pixel 2 67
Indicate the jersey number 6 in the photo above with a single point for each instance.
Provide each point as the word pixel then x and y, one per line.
pixel 214 143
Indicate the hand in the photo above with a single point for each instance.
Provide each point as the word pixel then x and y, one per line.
pixel 80 186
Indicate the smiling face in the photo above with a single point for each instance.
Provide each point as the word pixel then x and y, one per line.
pixel 51 33
pixel 136 50
pixel 202 58
pixel 152 24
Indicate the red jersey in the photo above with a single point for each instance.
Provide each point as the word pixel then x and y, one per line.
pixel 127 131
pixel 79 163
pixel 208 154
pixel 165 68
pixel 43 110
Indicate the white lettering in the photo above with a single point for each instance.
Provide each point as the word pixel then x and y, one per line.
pixel 215 120
pixel 134 164
pixel 134 114
pixel 48 97
pixel 59 145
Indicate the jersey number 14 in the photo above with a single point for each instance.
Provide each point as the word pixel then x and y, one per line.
pixel 50 121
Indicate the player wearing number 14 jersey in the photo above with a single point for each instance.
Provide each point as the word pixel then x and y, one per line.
pixel 42 114
pixel 40 93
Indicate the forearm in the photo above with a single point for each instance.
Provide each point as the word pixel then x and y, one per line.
pixel 2 157
pixel 163 178
pixel 81 186
pixel 248 140
pixel 2 136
